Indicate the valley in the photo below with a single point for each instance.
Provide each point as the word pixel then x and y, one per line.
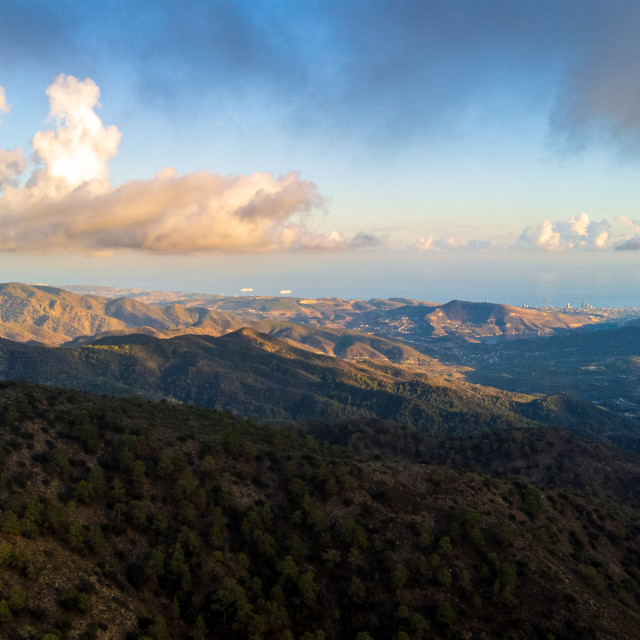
pixel 587 352
pixel 279 370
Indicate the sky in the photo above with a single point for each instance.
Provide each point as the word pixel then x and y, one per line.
pixel 398 148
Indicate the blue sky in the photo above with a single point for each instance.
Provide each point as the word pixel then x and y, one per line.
pixel 357 148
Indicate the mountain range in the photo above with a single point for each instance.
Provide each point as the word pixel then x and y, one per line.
pixel 251 373
pixel 54 316
pixel 395 317
pixel 37 313
pixel 273 471
pixel 332 326
pixel 279 370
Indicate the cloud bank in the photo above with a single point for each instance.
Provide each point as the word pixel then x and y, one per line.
pixel 579 232
pixel 68 204
pixel 633 243
pixel 449 243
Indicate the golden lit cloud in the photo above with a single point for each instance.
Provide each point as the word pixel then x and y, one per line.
pixel 68 203
pixel 78 148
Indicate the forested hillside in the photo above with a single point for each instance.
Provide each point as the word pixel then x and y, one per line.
pixel 127 518
pixel 251 373
pixel 601 366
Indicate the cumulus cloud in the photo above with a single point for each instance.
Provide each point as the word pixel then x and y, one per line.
pixel 634 224
pixel 363 240
pixel 4 107
pixel 631 244
pixel 12 163
pixel 67 203
pixel 579 232
pixel 447 243
pixel 77 150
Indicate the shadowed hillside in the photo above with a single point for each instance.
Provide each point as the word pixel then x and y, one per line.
pixel 130 519
pixel 252 373
pixel 600 366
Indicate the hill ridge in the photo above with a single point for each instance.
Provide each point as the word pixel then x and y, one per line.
pixel 249 372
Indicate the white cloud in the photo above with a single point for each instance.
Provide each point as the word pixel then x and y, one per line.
pixel 630 244
pixel 447 243
pixel 425 244
pixel 4 107
pixel 77 150
pixel 363 240
pixel 634 224
pixel 12 163
pixel 68 203
pixel 633 243
pixel 579 232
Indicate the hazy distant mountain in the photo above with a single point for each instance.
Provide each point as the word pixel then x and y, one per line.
pixel 55 317
pixel 408 319
pixel 399 318
pixel 467 320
